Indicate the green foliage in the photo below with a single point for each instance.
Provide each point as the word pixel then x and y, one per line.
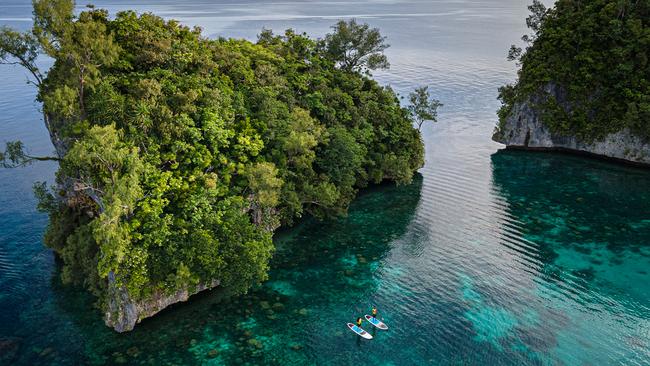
pixel 356 47
pixel 264 184
pixel 185 153
pixel 15 155
pixel 596 54
pixel 20 49
pixel 423 107
pixel 52 20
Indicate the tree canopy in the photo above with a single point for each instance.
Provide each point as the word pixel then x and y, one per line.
pixel 356 47
pixel 595 53
pixel 22 49
pixel 183 154
pixel 423 107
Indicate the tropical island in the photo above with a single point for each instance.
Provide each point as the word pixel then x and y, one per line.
pixel 180 155
pixel 584 81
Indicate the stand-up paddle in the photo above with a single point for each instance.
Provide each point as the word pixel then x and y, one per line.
pixel 376 322
pixel 359 331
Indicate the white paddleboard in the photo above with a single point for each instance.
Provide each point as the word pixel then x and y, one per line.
pixel 376 322
pixel 359 331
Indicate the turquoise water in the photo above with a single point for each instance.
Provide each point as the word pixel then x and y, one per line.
pixel 488 258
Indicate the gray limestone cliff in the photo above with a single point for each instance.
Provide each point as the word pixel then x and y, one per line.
pixel 123 313
pixel 523 128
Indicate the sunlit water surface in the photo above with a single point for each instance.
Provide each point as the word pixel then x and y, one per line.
pixel 488 258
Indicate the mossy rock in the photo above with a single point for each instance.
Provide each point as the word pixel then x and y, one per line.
pixel 133 351
pixel 120 359
pixel 46 352
pixel 255 343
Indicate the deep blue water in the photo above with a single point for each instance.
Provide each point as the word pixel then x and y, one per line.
pixel 488 258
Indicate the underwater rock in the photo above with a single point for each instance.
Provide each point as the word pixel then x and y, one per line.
pixel 9 347
pixel 213 353
pixel 303 312
pixel 46 352
pixel 278 306
pixel 255 343
pixel 119 358
pixel 133 351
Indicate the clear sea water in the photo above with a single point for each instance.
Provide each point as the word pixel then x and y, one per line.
pixel 488 258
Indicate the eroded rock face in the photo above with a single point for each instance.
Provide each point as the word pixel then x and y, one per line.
pixel 524 129
pixel 123 313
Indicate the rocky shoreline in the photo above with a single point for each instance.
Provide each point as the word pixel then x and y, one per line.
pixel 123 312
pixel 524 129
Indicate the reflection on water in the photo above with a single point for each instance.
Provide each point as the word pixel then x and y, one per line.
pixel 582 233
pixel 586 227
pixel 505 258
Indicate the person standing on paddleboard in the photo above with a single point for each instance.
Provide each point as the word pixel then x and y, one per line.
pixel 359 322
pixel 374 312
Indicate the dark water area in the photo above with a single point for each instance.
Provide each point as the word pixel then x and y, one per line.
pixel 489 258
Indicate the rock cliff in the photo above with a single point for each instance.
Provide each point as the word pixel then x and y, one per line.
pixel 123 313
pixel 523 128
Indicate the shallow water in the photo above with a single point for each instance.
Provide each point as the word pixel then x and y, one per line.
pixel 488 258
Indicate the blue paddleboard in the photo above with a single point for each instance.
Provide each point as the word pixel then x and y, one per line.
pixel 376 322
pixel 359 331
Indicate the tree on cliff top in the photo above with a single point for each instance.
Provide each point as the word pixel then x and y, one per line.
pixel 423 107
pixel 534 23
pixel 22 49
pixel 356 47
pixel 82 43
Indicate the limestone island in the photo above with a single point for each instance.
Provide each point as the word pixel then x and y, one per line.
pixel 180 155
pixel 584 81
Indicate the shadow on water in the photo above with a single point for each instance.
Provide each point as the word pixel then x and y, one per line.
pixel 319 268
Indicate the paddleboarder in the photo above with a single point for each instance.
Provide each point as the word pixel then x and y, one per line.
pixel 374 312
pixel 358 330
